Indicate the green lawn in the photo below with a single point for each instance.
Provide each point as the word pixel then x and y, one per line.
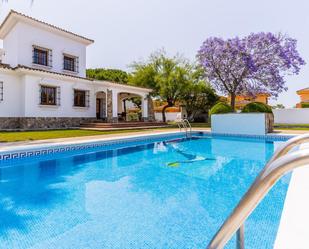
pixel 196 125
pixel 292 126
pixel 16 136
pixel 41 135
pixel 51 134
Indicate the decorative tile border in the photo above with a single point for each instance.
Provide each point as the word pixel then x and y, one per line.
pixel 117 143
pixel 109 144
pixel 267 137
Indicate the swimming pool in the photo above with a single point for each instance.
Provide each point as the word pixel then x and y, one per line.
pixel 168 192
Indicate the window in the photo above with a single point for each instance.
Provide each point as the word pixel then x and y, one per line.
pixel 42 56
pixel 1 91
pixel 70 63
pixel 48 95
pixel 81 98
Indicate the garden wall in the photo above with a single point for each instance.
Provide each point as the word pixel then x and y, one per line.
pixel 291 116
pixel 170 116
pixel 242 123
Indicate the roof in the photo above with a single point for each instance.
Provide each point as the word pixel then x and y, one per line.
pixel 13 17
pixel 23 67
pixel 303 90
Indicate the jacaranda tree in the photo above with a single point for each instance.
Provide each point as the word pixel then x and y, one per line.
pixel 250 65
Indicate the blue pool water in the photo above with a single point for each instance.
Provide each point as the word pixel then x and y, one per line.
pixel 156 195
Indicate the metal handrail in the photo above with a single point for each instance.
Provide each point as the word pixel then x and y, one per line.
pixel 188 123
pixel 280 164
pixel 184 123
pixel 179 126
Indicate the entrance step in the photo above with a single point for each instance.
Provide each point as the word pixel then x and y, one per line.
pixel 123 125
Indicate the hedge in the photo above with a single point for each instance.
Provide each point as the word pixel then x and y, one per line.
pixel 257 107
pixel 220 108
pixel 305 105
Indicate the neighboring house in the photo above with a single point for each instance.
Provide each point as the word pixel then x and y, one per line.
pixel 43 80
pixel 158 106
pixel 304 98
pixel 241 100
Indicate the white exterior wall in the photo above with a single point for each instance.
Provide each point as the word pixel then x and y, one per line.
pixel 12 96
pixel 170 116
pixel 18 48
pixel 66 108
pixel 10 44
pixel 291 116
pixel 247 124
pixel 22 95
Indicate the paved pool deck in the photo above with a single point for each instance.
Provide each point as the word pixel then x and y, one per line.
pixel 293 232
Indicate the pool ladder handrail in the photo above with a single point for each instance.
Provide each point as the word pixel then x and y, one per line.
pixel 283 161
pixel 185 124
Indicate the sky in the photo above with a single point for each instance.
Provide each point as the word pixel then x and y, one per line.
pixel 130 30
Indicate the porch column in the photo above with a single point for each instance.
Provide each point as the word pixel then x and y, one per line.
pixel 145 108
pixel 151 115
pixel 115 106
pixel 109 105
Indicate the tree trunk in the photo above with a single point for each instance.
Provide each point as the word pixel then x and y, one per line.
pixel 163 111
pixel 233 98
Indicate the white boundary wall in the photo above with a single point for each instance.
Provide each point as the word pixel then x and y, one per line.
pixel 170 116
pixel 239 123
pixel 291 116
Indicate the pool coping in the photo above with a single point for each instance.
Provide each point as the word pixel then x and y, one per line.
pixel 293 227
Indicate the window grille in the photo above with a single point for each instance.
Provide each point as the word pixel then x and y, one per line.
pixel 42 56
pixel 48 95
pixel 40 95
pixel 87 98
pixel 81 98
pixel 77 65
pixel 70 63
pixel 1 91
pixel 50 58
pixel 58 96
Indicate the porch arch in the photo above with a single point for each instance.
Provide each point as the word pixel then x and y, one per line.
pixel 124 103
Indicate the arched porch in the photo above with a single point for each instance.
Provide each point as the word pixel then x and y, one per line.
pixel 130 107
pixel 114 101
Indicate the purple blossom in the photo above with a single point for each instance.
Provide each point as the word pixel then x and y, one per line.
pixel 250 65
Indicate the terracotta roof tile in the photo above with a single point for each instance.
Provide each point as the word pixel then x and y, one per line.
pixel 305 89
pixel 7 66
pixel 52 72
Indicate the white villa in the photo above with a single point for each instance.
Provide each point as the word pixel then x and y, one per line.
pixel 43 80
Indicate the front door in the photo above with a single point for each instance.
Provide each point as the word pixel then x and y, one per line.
pixel 98 108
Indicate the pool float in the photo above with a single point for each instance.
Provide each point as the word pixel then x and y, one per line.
pixel 191 158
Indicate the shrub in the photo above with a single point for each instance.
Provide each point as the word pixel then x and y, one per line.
pixel 220 108
pixel 305 105
pixel 257 107
pixel 132 116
